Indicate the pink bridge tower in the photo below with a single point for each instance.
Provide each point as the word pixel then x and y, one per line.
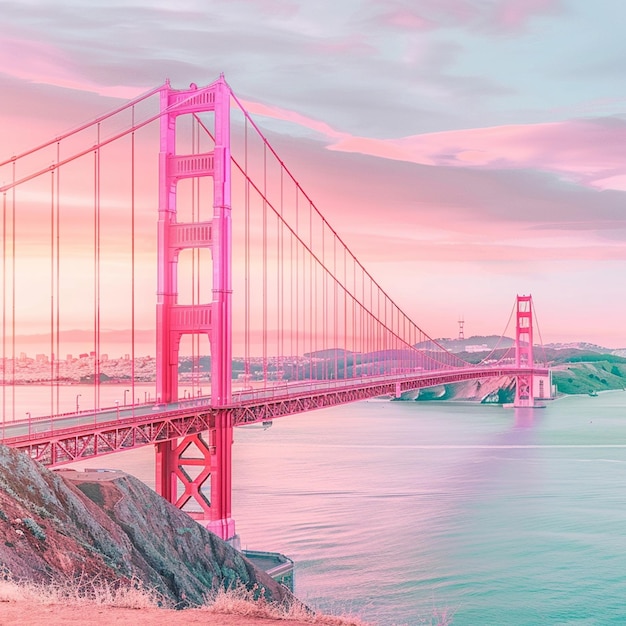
pixel 194 472
pixel 524 395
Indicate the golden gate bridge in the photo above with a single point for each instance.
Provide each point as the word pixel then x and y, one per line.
pixel 248 271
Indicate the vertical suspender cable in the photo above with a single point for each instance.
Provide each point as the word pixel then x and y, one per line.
pixel 196 190
pixel 292 302
pixel 347 344
pixel 195 355
pixel 324 288
pixel 381 336
pixel 279 291
pixel 311 303
pixel 52 303
pixel 264 265
pixel 132 259
pixel 247 259
pixel 335 312
pixel 4 308
pixel 58 279
pixel 13 295
pixel 96 247
pixel 297 291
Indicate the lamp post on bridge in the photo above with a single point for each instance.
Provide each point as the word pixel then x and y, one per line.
pixel 78 395
pixel 125 392
pixel 28 414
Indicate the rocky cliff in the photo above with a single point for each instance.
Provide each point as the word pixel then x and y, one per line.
pixel 488 390
pixel 111 527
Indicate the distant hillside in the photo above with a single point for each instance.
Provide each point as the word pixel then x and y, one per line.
pixel 486 343
pixel 590 377
pixel 579 345
pixel 582 356
pixel 477 343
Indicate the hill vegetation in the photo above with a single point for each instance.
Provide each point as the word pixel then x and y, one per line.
pixel 574 371
pixel 590 376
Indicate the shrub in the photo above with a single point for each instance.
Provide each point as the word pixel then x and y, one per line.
pixel 35 529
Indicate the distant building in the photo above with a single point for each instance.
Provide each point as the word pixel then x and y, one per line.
pixel 483 347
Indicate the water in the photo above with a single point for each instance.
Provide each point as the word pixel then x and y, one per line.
pixel 20 401
pixel 397 510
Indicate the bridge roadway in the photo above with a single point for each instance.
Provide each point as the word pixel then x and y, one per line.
pixel 55 440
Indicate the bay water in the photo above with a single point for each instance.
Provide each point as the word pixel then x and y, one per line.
pixel 416 512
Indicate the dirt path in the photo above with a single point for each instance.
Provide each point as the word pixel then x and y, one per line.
pixel 27 614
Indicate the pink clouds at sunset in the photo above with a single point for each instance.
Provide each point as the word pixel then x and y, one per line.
pixel 39 62
pixel 589 152
pixel 465 151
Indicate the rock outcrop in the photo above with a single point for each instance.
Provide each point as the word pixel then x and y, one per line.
pixel 488 390
pixel 111 527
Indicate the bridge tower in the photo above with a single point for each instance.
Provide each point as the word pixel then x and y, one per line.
pixel 524 395
pixel 188 468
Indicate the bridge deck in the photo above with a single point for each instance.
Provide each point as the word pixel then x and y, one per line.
pixel 66 438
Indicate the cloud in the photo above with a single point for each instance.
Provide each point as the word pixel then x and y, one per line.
pixel 454 204
pixel 513 15
pixel 40 62
pixel 586 152
pixel 498 16
pixel 589 152
pixel 300 57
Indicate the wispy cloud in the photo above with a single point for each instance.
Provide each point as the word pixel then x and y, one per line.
pixel 589 151
pixel 496 16
pixel 40 62
pixel 585 151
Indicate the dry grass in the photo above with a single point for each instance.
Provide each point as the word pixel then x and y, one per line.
pixel 242 601
pixel 81 591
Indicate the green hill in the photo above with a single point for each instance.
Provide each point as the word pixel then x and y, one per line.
pixel 587 377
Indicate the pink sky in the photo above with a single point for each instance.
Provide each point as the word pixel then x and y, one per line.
pixel 456 181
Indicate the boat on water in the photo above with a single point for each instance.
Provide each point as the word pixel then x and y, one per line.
pixel 265 424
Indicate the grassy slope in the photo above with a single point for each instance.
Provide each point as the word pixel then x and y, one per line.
pixel 573 370
pixel 586 377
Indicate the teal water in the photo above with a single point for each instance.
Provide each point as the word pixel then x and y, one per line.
pixel 400 511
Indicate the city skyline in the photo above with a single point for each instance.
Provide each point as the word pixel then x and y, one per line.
pixel 464 152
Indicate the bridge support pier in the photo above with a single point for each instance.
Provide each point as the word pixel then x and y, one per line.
pixel 524 391
pixel 194 473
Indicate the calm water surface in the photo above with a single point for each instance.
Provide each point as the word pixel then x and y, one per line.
pixel 395 510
